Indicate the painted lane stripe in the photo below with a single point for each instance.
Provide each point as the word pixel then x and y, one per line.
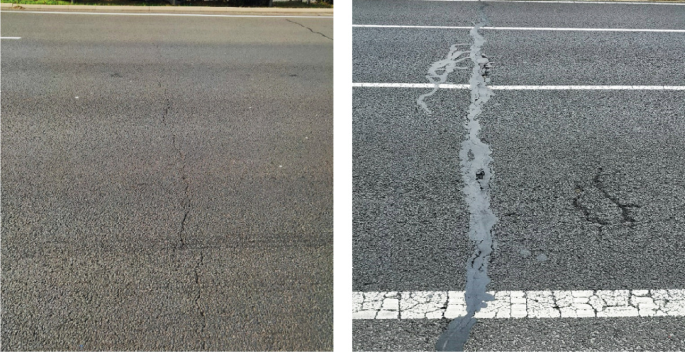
pixel 411 85
pixel 513 87
pixel 629 2
pixel 10 37
pixel 163 14
pixel 521 304
pixel 526 28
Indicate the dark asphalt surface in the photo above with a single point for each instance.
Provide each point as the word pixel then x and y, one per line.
pixel 525 57
pixel 184 200
pixel 565 164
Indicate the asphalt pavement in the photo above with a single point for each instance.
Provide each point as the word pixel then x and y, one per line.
pixel 588 185
pixel 166 183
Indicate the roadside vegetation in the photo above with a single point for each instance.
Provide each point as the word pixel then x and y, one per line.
pixel 226 3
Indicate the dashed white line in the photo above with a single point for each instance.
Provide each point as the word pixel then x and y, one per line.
pixel 10 37
pixel 515 87
pixel 165 14
pixel 526 28
pixel 521 304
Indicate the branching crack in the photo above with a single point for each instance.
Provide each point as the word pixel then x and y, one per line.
pixel 625 211
pixel 586 211
pixel 589 213
pixel 311 30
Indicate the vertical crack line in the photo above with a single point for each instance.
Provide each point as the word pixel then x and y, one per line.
pixel 181 167
pixel 198 305
pixel 185 201
pixel 185 204
pixel 475 162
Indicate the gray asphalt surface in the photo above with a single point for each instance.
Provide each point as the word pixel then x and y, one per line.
pixel 521 14
pixel 594 180
pixel 525 57
pixel 166 183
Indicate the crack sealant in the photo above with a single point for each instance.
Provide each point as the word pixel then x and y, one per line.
pixel 475 162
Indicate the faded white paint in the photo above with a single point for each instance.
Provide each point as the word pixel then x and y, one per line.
pixel 521 304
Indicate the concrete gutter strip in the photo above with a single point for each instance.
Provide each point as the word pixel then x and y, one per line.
pixel 271 11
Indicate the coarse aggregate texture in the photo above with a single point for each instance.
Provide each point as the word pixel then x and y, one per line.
pixel 519 14
pixel 585 178
pixel 407 217
pixel 563 334
pixel 588 189
pixel 524 57
pixel 592 180
pixel 167 183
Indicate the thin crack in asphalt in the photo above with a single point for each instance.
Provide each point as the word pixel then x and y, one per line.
pixel 311 30
pixel 625 212
pixel 186 206
pixel 475 162
pixel 591 214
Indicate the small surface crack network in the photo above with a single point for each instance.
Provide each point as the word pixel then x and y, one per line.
pixel 625 212
pixel 311 30
pixel 599 190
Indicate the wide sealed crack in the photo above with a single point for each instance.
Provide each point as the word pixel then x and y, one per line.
pixel 475 162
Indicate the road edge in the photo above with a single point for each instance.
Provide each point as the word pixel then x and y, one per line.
pixel 270 11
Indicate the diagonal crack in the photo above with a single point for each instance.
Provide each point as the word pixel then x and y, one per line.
pixel 311 30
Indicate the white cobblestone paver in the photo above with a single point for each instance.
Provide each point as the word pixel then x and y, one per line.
pixel 520 304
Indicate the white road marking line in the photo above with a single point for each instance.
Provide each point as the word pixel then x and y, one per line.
pixel 521 304
pixel 163 14
pixel 513 87
pixel 526 28
pixel 630 2
pixel 10 37
pixel 411 85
